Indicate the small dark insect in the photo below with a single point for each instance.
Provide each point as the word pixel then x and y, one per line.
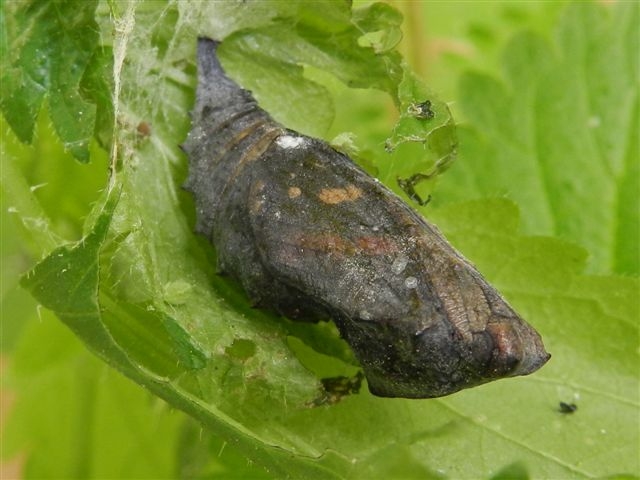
pixel 312 236
pixel 567 407
pixel 421 110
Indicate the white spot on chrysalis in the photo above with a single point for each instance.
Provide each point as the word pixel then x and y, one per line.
pixel 399 264
pixel 411 282
pixel 289 141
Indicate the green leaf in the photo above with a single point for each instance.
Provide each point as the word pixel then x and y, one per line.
pixel 560 134
pixel 140 291
pixel 66 282
pixel 512 472
pixel 77 418
pixel 45 53
pixel 381 26
pixel 355 49
pixel 424 124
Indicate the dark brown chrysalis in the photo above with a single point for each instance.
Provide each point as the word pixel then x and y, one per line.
pixel 312 236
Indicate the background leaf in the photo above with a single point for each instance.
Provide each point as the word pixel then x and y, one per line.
pixel 560 134
pixel 78 418
pixel 140 289
pixel 45 53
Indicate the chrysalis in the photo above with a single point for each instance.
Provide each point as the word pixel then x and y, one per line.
pixel 312 236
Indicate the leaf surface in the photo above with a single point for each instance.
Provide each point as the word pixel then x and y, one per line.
pixel 559 134
pixel 140 289
pixel 48 48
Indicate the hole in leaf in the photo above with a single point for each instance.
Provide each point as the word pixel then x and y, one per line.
pixel 241 349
